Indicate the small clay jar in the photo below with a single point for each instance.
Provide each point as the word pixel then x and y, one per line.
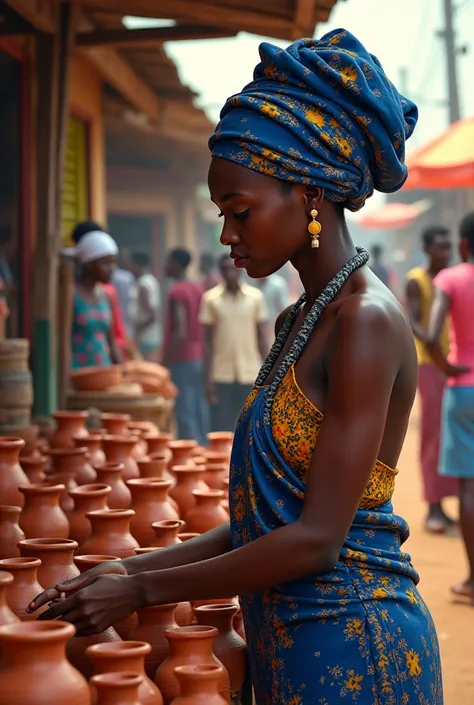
pixel 146 427
pixel 56 557
pixel 188 479
pixel 153 623
pixel 111 474
pixel 11 473
pixel 117 688
pixel 216 474
pixel 163 460
pixel 42 514
pixel 228 646
pixel 182 452
pixel 159 443
pixel 221 442
pixel 68 480
pixel 152 468
pixel 187 536
pixel 25 586
pixel 6 615
pixel 125 656
pixel 34 467
pixel 207 513
pixel 10 532
pixel 69 424
pixel 199 685
pixel 166 532
pixel 119 449
pixel 110 533
pixel 34 669
pixel 116 424
pixel 140 449
pixel 73 460
pixel 149 500
pixel 189 646
pixel 93 443
pixel 88 498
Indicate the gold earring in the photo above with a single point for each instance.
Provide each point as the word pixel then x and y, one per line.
pixel 314 228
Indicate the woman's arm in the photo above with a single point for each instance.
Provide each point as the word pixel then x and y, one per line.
pixel 116 332
pixel 439 311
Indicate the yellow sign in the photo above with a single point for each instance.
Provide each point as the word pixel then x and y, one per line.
pixel 75 193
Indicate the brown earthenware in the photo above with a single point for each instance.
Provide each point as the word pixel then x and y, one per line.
pixel 68 480
pixel 149 500
pixel 207 513
pixel 88 498
pixel 188 479
pixel 25 586
pixel 166 532
pixel 111 474
pixel 10 532
pixel 11 473
pixel 199 685
pixel 93 443
pixel 6 615
pixel 56 557
pixel 117 688
pixel 182 452
pixel 119 449
pixel 110 533
pixel 116 424
pixel 34 467
pixel 73 460
pixel 153 622
pixel 69 424
pixel 42 514
pixel 220 441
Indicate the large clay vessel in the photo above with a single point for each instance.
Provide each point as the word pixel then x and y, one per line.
pixel 110 533
pixel 34 466
pixel 111 474
pixel 208 513
pixel 6 615
pixel 125 656
pixel 220 441
pixel 93 443
pixel 119 449
pixel 182 452
pixel 228 646
pixel 68 480
pixel 11 473
pixel 149 501
pixel 74 460
pixel 34 669
pixel 69 424
pixel 216 475
pixel 25 586
pixel 42 514
pixel 56 556
pixel 153 622
pixel 188 479
pixel 10 532
pixel 116 424
pixel 189 646
pixel 199 685
pixel 88 498
pixel 117 688
pixel 166 532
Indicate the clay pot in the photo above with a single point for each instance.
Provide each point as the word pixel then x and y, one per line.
pixel 88 498
pixel 207 513
pixel 6 615
pixel 182 452
pixel 66 479
pixel 189 646
pixel 166 532
pixel 34 669
pixel 146 427
pixel 122 657
pixel 73 460
pixel 228 646
pixel 119 449
pixel 199 685
pixel 159 443
pixel 153 468
pixel 149 500
pixel 25 586
pixel 42 514
pixel 188 479
pixel 140 449
pixel 188 535
pixel 110 533
pixel 34 467
pixel 163 460
pixel 153 623
pixel 10 532
pixel 11 473
pixel 56 557
pixel 69 424
pixel 116 424
pixel 220 442
pixel 215 475
pixel 217 458
pixel 117 688
pixel 111 474
pixel 93 443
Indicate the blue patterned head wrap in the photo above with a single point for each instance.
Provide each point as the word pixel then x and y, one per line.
pixel 321 113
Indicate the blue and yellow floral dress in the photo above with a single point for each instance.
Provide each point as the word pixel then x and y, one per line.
pixel 360 633
pixel 91 324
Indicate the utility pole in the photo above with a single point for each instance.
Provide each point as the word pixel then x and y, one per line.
pixel 451 61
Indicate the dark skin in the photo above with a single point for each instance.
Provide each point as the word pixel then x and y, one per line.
pixel 359 368
pixel 178 318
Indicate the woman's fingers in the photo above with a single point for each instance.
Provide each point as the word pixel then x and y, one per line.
pixel 59 608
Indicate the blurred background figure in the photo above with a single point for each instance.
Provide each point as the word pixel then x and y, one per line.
pixel 146 308
pixel 276 293
pixel 207 269
pixel 7 281
pixel 234 315
pixel 124 283
pixel 436 245
pixel 377 266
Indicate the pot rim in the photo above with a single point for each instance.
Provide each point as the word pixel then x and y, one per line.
pixel 58 452
pixel 37 488
pixel 11 442
pixel 97 488
pixel 110 465
pixel 119 649
pixel 111 438
pixel 148 482
pixel 111 513
pixel 51 544
pixel 10 509
pixel 195 631
pixel 6 578
pixel 38 631
pixel 20 563
pixel 33 460
pixel 169 523
pixel 189 445
pixel 117 680
pixel 218 607
pixel 210 493
pixel 111 416
pixel 77 415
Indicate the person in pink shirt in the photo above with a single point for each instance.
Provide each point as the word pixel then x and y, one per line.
pixel 454 298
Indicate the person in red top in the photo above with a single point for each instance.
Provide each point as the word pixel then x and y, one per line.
pixel 184 348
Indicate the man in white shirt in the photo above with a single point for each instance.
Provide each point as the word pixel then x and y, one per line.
pixel 146 308
pixel 277 298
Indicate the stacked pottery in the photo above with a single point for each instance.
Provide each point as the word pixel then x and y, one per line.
pixel 117 688
pixel 140 449
pixel 111 474
pixel 11 473
pixel 93 443
pixel 153 625
pixel 6 615
pixel 207 513
pixel 42 514
pixel 110 533
pixel 116 424
pixel 216 475
pixel 69 483
pixel 56 556
pixel 88 498
pixel 181 452
pixel 75 461
pixel 159 444
pixel 119 449
pixel 220 442
pixel 188 478
pixel 149 501
pixel 166 533
pixel 69 425
pixel 25 586
pixel 10 532
pixel 162 460
pixel 34 467
pixel 199 685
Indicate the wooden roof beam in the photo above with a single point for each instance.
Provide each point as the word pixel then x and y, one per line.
pixel 150 36
pixel 41 15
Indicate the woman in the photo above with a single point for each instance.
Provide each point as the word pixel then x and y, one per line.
pixel 332 612
pixel 93 342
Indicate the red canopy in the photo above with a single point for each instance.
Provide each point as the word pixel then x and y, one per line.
pixel 393 216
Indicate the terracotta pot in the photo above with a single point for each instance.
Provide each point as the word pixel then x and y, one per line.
pixel 166 532
pixel 199 685
pixel 10 532
pixel 216 474
pixel 34 669
pixel 93 443
pixel 119 449
pixel 111 474
pixel 66 479
pixel 217 458
pixel 6 615
pixel 88 498
pixel 149 500
pixel 228 646
pixel 76 649
pixel 122 657
pixel 208 512
pixel 199 460
pixel 110 533
pixel 146 427
pixel 73 460
pixel 117 688
pixel 188 535
pixel 42 514
pixel 56 557
pixel 163 460
pixel 116 424
pixel 11 473
pixel 188 479
pixel 68 425
pixel 154 468
pixel 153 622
pixel 25 586
pixel 140 449
pixel 159 443
pixel 220 441
pixel 34 467
pixel 189 646
pixel 182 452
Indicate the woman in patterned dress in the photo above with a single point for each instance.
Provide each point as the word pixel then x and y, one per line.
pixel 314 549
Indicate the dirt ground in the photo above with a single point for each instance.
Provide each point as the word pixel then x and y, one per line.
pixel 440 561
